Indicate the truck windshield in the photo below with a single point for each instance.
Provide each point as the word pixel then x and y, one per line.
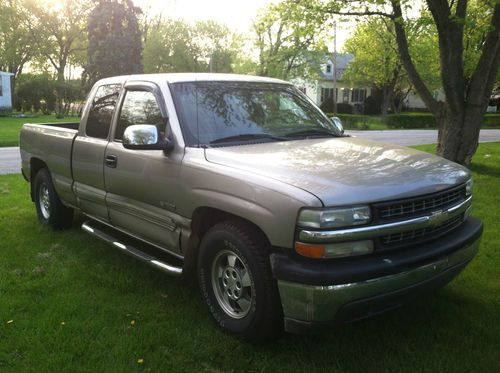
pixel 227 113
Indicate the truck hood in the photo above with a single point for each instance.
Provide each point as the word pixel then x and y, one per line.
pixel 344 171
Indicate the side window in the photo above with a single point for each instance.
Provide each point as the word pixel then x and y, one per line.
pixel 101 111
pixel 139 107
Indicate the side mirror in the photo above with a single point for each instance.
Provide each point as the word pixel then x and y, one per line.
pixel 338 124
pixel 145 137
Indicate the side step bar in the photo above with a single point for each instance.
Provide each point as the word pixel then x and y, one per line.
pixel 132 251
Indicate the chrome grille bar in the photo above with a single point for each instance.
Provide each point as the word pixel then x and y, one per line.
pixel 371 231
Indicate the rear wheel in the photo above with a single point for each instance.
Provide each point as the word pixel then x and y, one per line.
pixel 236 281
pixel 49 207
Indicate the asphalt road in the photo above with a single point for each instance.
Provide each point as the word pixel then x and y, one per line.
pixel 417 137
pixel 10 160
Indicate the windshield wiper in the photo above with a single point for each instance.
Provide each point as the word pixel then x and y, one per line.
pixel 312 132
pixel 248 136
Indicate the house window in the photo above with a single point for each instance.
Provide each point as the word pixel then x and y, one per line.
pixel 328 68
pixel 327 93
pixel 345 95
pixel 1 86
pixel 358 95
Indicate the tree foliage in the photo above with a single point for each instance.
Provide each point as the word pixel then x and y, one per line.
pixel 377 61
pixel 58 29
pixel 16 42
pixel 35 92
pixel 170 48
pixel 290 40
pixel 114 40
pixel 176 46
pixel 467 81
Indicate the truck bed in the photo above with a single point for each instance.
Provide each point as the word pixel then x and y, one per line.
pixel 68 125
pixel 49 144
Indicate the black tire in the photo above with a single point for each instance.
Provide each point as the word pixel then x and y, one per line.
pixel 245 305
pixel 49 207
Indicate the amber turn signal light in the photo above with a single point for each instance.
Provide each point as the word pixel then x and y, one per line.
pixel 310 250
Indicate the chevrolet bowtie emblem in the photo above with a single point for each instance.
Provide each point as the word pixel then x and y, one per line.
pixel 438 217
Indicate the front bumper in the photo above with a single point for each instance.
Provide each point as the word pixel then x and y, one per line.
pixel 339 292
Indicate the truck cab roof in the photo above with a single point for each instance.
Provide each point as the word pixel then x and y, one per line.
pixel 189 77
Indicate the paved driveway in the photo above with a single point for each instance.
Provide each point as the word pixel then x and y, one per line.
pixel 10 160
pixel 417 137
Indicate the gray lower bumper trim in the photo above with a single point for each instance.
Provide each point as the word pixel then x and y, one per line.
pixel 320 303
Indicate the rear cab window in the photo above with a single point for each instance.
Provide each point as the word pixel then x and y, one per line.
pixel 101 111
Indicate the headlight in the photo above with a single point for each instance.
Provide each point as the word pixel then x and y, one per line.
pixel 334 217
pixel 468 188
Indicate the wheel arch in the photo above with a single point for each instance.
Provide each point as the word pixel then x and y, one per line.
pixel 36 164
pixel 203 219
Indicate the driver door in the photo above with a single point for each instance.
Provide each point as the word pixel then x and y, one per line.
pixel 142 185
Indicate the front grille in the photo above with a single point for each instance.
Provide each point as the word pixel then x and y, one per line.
pixel 421 234
pixel 412 207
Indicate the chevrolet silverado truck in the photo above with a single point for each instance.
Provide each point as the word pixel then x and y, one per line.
pixel 245 184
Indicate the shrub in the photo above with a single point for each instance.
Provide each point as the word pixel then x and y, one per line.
pixel 491 120
pixel 372 105
pixel 414 120
pixel 354 121
pixel 342 108
pixel 31 90
pixel 5 111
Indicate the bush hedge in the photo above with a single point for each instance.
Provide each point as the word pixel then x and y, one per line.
pixel 404 120
pixel 353 121
pixel 491 120
pixel 342 107
pixel 413 120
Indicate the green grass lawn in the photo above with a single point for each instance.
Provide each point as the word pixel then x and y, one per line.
pixel 68 302
pixel 10 127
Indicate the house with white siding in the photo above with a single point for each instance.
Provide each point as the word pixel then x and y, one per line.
pixel 347 92
pixel 5 91
pixel 322 88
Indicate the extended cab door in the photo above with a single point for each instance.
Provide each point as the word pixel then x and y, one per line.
pixel 88 151
pixel 143 185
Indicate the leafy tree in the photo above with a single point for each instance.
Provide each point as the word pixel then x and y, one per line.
pixel 217 45
pixel 114 40
pixel 466 84
pixel 16 42
pixel 35 92
pixel 376 59
pixel 58 30
pixel 170 47
pixel 290 40
pixel 176 46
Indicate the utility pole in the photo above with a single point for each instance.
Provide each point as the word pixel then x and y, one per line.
pixel 334 69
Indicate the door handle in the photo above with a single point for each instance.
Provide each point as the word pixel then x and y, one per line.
pixel 111 161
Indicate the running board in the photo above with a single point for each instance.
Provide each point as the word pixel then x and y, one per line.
pixel 132 251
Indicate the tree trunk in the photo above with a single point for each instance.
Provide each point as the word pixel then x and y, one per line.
pixel 387 95
pixel 458 133
pixel 60 91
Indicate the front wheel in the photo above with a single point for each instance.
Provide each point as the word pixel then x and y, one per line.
pixel 49 207
pixel 236 281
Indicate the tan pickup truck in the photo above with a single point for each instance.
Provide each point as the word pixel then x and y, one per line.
pixel 243 182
